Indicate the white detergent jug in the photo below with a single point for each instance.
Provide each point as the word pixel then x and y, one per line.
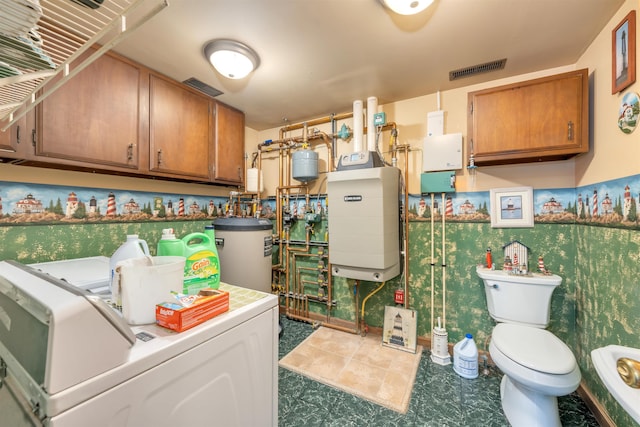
pixel 132 248
pixel 465 358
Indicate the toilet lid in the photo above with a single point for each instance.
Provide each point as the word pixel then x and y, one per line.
pixel 534 348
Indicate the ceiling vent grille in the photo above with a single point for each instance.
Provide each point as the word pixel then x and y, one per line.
pixel 202 87
pixel 477 69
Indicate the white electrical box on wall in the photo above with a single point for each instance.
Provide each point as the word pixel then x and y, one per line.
pixel 442 152
pixel 435 123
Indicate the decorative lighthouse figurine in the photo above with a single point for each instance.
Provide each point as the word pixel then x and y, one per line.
pixel 541 267
pixel 489 261
pixel 508 266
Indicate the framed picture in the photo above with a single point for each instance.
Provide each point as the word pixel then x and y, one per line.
pixel 512 207
pixel 400 329
pixel 623 53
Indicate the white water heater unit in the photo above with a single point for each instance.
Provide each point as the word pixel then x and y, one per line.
pixel 364 223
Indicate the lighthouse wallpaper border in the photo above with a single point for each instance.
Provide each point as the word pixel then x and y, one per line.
pixel 611 203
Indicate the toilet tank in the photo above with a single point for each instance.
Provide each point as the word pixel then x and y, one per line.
pixel 520 299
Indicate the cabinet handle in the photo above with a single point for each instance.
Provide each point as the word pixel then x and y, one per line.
pixel 570 130
pixel 239 172
pixel 18 134
pixel 160 157
pixel 130 152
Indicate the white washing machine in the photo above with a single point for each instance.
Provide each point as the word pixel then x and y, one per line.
pixel 83 365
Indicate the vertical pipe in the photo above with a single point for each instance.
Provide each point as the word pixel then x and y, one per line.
pixel 444 267
pixel 433 264
pixel 372 108
pixel 357 126
pixel 406 227
pixel 334 141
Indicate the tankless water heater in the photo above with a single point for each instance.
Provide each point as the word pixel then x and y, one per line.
pixel 364 223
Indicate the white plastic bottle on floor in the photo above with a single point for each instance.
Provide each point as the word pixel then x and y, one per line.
pixel 465 358
pixel 132 248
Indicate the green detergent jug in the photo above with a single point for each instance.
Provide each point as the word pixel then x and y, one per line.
pixel 169 244
pixel 202 267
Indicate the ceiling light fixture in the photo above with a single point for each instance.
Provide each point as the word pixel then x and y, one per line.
pixel 231 58
pixel 407 7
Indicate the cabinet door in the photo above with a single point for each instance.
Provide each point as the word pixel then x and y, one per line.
pixel 94 117
pixel 179 130
pixel 229 144
pixel 543 119
pixel 11 138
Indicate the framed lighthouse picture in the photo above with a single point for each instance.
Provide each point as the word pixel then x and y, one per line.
pixel 511 207
pixel 400 328
pixel 623 53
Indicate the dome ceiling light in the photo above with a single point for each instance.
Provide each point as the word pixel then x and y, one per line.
pixel 231 58
pixel 407 7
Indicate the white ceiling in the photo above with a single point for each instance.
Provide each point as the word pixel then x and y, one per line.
pixel 318 56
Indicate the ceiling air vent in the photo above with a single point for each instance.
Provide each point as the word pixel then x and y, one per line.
pixel 477 69
pixel 202 87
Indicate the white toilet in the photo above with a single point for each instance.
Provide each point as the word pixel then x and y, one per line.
pixel 537 365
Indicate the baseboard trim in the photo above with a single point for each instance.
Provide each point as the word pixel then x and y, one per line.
pixel 594 406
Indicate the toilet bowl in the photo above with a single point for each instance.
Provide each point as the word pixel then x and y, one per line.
pixel 537 368
pixel 537 365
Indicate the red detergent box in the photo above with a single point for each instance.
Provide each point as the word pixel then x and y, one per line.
pixel 208 304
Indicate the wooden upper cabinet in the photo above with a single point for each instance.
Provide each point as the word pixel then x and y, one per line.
pixel 11 139
pixel 117 116
pixel 180 130
pixel 536 120
pixel 229 145
pixel 94 117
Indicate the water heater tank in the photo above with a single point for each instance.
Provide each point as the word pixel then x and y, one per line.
pixel 305 165
pixel 244 248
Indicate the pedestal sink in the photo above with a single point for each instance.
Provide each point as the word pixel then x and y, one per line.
pixel 605 360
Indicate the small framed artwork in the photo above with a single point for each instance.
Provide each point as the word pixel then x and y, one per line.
pixel 511 207
pixel 400 329
pixel 623 53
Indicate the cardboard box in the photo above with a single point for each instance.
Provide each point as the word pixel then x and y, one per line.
pixel 211 303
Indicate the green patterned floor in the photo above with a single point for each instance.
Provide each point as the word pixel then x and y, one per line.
pixel 440 398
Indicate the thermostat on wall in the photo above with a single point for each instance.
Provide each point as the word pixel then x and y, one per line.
pixel 442 152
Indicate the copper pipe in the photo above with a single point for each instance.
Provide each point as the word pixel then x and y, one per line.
pixel 301 318
pixel 318 121
pixel 324 270
pixel 287 267
pixel 286 144
pixel 339 328
pixel 279 210
pixel 330 158
pixel 320 323
pixel 291 187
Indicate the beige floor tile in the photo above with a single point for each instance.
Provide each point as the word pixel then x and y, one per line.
pixel 358 365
